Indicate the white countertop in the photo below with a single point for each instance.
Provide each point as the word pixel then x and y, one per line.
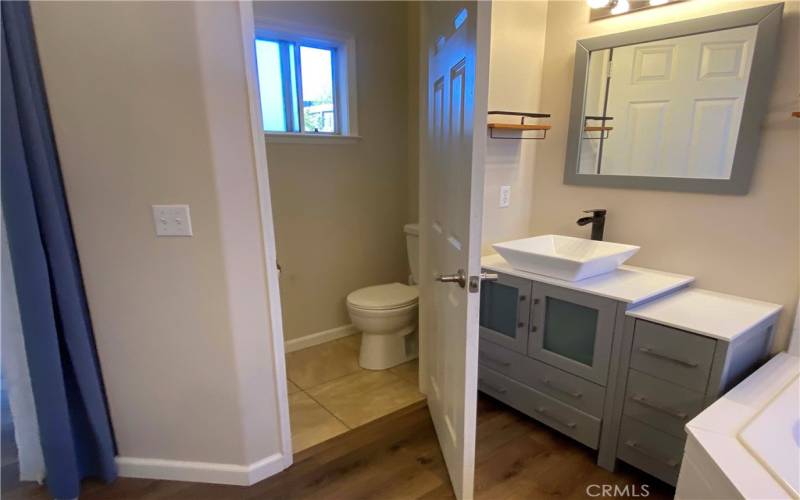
pixel 719 427
pixel 629 284
pixel 708 313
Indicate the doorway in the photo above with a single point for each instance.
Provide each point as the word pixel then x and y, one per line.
pixel 339 99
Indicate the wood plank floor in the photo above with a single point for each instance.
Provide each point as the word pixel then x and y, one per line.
pixel 397 457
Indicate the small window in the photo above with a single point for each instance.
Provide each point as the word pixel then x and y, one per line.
pixel 298 87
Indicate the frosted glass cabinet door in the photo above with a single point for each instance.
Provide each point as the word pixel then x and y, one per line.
pixel 572 331
pixel 505 311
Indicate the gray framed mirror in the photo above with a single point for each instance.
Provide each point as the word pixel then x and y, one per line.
pixel 674 107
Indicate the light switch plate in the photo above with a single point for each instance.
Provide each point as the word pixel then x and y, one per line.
pixel 505 196
pixel 172 220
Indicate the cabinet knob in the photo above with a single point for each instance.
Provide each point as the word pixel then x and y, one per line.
pixel 533 328
pixel 535 301
pixel 520 324
pixel 522 298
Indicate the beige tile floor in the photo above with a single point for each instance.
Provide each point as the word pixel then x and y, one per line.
pixel 330 394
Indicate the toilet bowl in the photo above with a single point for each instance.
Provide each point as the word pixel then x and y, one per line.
pixel 387 316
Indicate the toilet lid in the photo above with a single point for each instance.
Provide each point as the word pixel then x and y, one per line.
pixel 391 296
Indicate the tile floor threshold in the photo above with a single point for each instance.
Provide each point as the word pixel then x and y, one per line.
pixel 330 394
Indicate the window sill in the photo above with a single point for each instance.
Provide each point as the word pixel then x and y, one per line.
pixel 290 138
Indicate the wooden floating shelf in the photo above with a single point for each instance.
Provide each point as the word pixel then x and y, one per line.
pixel 796 114
pixel 517 126
pixel 597 129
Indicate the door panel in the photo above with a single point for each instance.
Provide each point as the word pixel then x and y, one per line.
pixel 455 37
pixel 505 311
pixel 572 331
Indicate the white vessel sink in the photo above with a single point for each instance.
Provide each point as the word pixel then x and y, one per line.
pixel 564 257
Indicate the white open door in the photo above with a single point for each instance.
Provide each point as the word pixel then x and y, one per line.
pixel 453 142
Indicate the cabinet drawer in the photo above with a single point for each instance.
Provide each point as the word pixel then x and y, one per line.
pixel 651 450
pixel 669 354
pixel 561 417
pixel 565 387
pixel 661 404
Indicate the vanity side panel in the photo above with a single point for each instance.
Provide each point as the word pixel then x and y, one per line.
pixel 733 362
pixel 615 392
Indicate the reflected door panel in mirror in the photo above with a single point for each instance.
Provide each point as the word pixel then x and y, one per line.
pixel 676 105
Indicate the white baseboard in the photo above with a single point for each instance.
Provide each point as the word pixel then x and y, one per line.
pixel 320 338
pixel 202 472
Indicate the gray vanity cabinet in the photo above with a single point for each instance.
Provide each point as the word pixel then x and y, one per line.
pixel 545 350
pixel 572 331
pixel 620 363
pixel 667 377
pixel 505 312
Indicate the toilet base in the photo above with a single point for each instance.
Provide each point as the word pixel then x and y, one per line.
pixel 380 351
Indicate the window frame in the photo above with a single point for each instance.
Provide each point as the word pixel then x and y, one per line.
pixel 343 69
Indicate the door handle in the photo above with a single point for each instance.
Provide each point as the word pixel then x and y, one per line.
pixel 669 462
pixel 459 277
pixel 546 381
pixel 545 412
pixel 658 407
pixel 667 357
pixel 491 387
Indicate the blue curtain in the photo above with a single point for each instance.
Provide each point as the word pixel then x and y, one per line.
pixel 73 421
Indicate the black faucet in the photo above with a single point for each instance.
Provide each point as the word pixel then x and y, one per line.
pixel 597 220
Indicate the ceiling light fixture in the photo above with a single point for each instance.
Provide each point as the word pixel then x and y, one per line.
pixel 598 4
pixel 603 9
pixel 621 7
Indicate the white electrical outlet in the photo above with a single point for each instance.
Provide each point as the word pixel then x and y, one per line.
pixel 505 196
pixel 172 220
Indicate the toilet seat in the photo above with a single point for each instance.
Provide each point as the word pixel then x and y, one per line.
pixel 383 297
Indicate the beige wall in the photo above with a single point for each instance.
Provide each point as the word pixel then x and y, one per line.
pixel 744 245
pixel 340 208
pixel 149 106
pixel 414 106
pixel 518 34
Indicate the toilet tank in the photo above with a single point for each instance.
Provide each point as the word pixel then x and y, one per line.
pixel 412 248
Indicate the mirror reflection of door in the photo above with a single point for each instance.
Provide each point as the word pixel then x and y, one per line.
pixel 675 105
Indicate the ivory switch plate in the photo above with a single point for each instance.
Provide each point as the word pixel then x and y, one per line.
pixel 505 196
pixel 172 220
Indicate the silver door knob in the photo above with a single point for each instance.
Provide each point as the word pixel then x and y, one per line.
pixel 460 277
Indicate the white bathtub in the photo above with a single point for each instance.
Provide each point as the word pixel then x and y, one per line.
pixel 747 444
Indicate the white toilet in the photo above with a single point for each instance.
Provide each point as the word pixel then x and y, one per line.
pixel 387 315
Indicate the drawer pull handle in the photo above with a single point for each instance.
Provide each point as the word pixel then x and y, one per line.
pixel 548 383
pixel 494 360
pixel 655 406
pixel 669 462
pixel 657 354
pixel 543 411
pixel 498 390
